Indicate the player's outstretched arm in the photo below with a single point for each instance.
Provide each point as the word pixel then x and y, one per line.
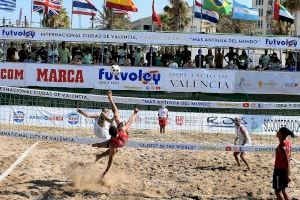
pixel 131 119
pixel 114 107
pixel 87 114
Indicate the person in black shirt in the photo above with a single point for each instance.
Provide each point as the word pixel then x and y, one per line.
pixel 185 56
pixel 197 59
pixel 166 57
pixel 24 54
pixel 148 57
pixel 43 53
pixel 231 56
pixel 11 53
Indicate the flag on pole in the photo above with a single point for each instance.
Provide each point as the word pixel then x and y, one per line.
pixel 243 12
pixel 155 16
pixel 221 6
pixel 127 5
pixel 48 7
pixel 282 14
pixel 8 5
pixel 205 14
pixel 84 7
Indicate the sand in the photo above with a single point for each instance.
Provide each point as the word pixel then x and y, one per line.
pixel 67 171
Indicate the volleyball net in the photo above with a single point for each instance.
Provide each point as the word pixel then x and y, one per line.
pixel 192 125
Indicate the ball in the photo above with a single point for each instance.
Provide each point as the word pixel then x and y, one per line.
pixel 115 70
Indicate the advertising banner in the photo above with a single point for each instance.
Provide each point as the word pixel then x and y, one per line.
pixel 148 120
pixel 148 38
pixel 12 74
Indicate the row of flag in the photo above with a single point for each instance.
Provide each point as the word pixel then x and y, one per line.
pixel 209 9
pixel 206 9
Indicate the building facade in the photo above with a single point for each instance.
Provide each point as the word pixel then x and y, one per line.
pixel 265 11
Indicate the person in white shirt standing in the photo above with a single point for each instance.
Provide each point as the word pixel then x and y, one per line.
pixel 242 139
pixel 163 118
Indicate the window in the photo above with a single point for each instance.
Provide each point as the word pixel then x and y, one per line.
pixel 260 12
pixel 259 24
pixel 270 2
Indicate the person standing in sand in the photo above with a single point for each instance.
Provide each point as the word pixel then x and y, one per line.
pixel 102 123
pixel 163 118
pixel 282 163
pixel 242 139
pixel 119 135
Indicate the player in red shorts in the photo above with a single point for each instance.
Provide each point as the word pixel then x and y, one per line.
pixel 163 118
pixel 282 163
pixel 119 135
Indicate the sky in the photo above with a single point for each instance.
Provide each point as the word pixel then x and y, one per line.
pixel 144 10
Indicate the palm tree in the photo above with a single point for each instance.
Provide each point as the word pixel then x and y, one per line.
pixel 175 16
pixel 108 20
pixel 58 21
pixel 294 6
pixel 228 25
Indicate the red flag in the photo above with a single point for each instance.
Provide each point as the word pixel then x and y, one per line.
pixel 156 17
pixel 276 10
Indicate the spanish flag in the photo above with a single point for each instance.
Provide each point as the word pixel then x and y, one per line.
pixel 127 5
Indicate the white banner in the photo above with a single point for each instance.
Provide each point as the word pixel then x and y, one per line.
pixel 148 120
pixel 148 38
pixel 149 79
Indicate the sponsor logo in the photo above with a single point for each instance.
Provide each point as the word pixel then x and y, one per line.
pixel 47 118
pixel 73 118
pixel 287 105
pixel 272 84
pixel 273 125
pixel 279 42
pixel 59 75
pixel 291 85
pixel 222 122
pixel 18 33
pixel 19 116
pixel 179 120
pixel 140 75
pixel 12 74
pixel 246 105
pixel 243 83
pixel 228 105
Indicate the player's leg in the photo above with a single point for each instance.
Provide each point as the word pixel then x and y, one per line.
pixel 101 155
pixel 235 154
pixel 104 144
pixel 285 195
pixel 243 157
pixel 278 195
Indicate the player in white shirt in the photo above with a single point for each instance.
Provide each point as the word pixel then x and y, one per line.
pixel 102 123
pixel 242 139
pixel 163 118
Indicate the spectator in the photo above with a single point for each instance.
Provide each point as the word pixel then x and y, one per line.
pixel 158 58
pixel 148 57
pixel 1 52
pixel 64 55
pixel 264 60
pixel 209 59
pixel 290 63
pixel 122 54
pixel 219 58
pixel 189 64
pixel 166 57
pixel 231 65
pixel 231 56
pixel 243 61
pixel 177 56
pixel 127 62
pixel 142 62
pixel 76 60
pixel 11 53
pixel 52 54
pixel 114 54
pixel 259 68
pixel 87 57
pixel 24 54
pixel 97 55
pixel 197 61
pixel 107 56
pixel 76 51
pixel 137 55
pixel 275 63
pixel 173 64
pixel 130 55
pixel 186 55
pixel 43 53
pixel 38 59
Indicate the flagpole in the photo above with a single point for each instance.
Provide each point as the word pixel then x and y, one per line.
pixel 193 13
pixel 72 15
pixel 31 13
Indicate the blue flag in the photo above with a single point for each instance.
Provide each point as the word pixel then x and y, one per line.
pixel 8 5
pixel 243 12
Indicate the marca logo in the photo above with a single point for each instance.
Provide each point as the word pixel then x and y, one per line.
pixel 19 116
pixel 179 120
pixel 142 76
pixel 18 33
pixel 59 75
pixel 279 42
